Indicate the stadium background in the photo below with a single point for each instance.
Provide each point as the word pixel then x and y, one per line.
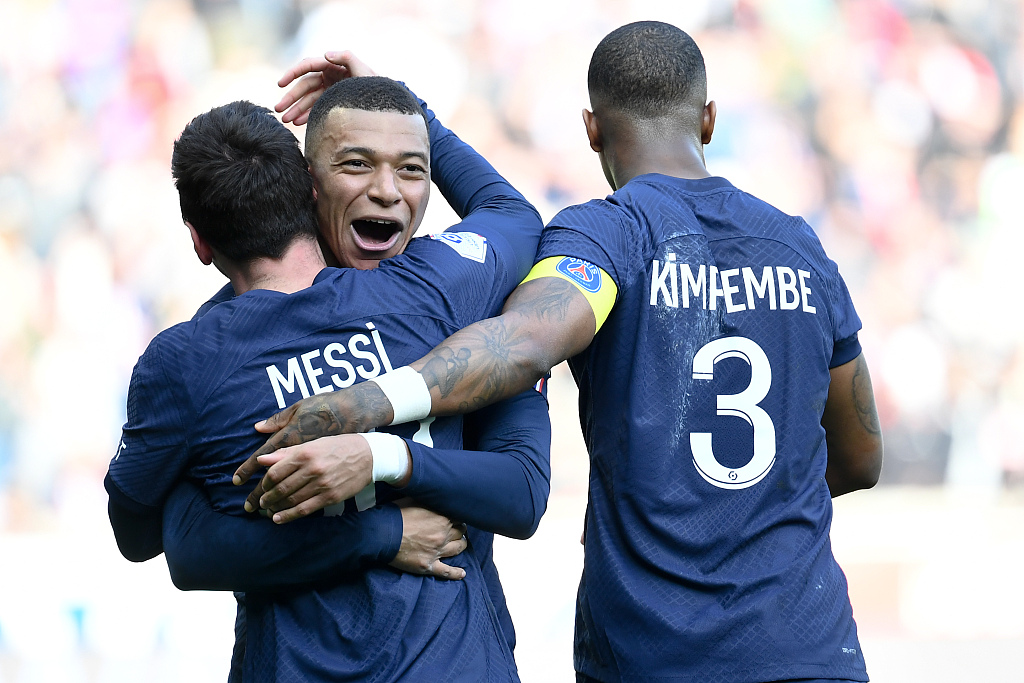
pixel 895 127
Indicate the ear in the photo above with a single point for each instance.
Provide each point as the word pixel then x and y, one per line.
pixel 707 124
pixel 593 130
pixel 310 167
pixel 203 249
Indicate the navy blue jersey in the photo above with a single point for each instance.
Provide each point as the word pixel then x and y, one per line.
pixel 707 536
pixel 200 387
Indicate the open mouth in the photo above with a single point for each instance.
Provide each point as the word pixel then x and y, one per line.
pixel 376 234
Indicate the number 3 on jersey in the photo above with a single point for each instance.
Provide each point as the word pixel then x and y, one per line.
pixel 744 405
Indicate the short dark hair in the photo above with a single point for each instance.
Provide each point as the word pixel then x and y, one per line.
pixel 647 69
pixel 243 183
pixel 368 93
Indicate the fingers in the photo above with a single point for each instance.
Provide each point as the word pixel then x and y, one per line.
pixel 306 66
pixel 275 422
pixel 284 478
pixel 270 480
pixel 298 114
pixel 356 67
pixel 303 509
pixel 442 571
pixel 453 548
pixel 307 84
pixel 252 501
pixel 300 99
pixel 250 466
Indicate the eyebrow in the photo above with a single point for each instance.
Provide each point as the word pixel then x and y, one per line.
pixel 366 151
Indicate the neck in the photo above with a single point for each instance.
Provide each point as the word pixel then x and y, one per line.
pixel 295 270
pixel 652 147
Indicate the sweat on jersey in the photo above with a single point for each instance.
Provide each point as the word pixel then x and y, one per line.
pixel 707 532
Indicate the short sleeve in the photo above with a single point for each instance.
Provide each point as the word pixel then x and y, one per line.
pixel 152 453
pixel 594 232
pixel 845 321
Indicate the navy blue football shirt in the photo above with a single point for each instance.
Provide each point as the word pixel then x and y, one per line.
pixel 201 385
pixel 707 535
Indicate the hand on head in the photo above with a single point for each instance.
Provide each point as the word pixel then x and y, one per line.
pixel 314 76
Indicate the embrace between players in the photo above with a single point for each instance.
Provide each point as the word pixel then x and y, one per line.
pixel 724 398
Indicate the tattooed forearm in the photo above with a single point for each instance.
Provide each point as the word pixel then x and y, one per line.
pixel 445 368
pixel 864 398
pixel 544 322
pixel 483 363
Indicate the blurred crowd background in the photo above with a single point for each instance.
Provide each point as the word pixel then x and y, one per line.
pixel 895 127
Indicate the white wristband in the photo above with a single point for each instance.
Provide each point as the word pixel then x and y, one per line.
pixel 390 456
pixel 407 392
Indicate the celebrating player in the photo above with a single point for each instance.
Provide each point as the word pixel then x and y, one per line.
pixel 295 328
pixel 724 396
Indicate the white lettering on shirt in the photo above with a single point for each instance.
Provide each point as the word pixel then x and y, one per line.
pixel 675 285
pixel 301 372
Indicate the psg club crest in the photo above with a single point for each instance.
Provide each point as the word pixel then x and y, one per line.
pixel 583 273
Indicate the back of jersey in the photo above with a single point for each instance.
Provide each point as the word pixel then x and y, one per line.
pixel 701 398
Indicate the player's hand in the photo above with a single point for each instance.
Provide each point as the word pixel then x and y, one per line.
pixel 305 478
pixel 359 408
pixel 427 538
pixel 315 75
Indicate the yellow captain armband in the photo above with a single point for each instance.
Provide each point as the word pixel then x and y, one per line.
pixel 594 283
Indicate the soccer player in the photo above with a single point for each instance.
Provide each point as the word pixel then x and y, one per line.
pixel 723 395
pixel 298 328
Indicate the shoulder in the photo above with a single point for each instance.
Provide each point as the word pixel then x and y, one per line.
pixel 172 340
pixel 596 213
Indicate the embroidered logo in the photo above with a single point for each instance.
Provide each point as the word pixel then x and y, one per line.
pixel 583 273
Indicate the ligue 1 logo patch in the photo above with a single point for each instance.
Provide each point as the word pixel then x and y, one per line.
pixel 583 273
pixel 468 244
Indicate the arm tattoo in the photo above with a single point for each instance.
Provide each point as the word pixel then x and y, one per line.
pixel 501 356
pixel 864 398
pixel 353 410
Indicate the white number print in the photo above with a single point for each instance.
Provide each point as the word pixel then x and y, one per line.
pixel 744 405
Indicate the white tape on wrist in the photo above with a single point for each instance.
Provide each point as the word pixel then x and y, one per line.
pixel 407 392
pixel 390 456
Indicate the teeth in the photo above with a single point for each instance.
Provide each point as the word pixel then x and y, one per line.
pixel 379 221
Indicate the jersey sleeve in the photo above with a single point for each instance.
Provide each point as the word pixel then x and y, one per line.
pixel 210 550
pixel 487 204
pixel 594 232
pixel 845 322
pixel 153 451
pixel 502 484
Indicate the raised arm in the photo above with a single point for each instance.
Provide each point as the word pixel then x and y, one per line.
pixel 488 204
pixel 852 433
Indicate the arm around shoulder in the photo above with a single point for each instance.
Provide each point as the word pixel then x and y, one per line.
pixel 851 429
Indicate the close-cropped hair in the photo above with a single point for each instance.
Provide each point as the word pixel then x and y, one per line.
pixel 243 182
pixel 647 69
pixel 368 93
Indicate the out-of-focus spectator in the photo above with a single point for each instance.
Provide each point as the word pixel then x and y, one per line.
pixel 896 128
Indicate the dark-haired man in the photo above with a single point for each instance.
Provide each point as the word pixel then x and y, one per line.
pixel 296 328
pixel 723 395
